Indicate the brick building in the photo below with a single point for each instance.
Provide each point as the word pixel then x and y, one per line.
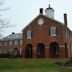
pixel 11 45
pixel 45 37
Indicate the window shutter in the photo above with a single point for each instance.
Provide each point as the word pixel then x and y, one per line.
pixel 56 31
pixel 49 30
pixel 31 34
pixel 26 34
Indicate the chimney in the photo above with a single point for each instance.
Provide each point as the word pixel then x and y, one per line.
pixel 65 19
pixel 13 33
pixel 41 10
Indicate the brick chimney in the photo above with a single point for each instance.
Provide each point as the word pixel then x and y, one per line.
pixel 41 10
pixel 13 33
pixel 65 19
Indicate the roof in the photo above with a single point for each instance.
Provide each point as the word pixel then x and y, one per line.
pixel 45 17
pixel 13 37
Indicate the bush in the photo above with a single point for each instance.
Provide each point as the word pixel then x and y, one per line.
pixel 58 63
pixel 4 55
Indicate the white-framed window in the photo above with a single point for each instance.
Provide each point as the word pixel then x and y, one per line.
pixel 16 42
pixel 53 31
pixel 10 50
pixel 10 42
pixel 29 34
pixel 5 51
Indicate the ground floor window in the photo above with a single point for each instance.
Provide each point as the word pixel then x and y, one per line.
pixel 15 52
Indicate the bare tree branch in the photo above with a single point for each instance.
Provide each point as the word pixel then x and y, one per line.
pixel 5 9
pixel 3 22
pixel 1 2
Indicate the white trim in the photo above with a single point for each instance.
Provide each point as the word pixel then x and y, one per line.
pixel 61 45
pixel 47 47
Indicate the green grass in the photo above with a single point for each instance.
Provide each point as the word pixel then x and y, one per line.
pixel 32 65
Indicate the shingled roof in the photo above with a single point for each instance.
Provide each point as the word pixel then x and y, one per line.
pixel 13 36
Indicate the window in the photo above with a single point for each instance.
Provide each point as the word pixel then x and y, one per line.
pixel 10 42
pixel 16 42
pixel 19 42
pixel 29 34
pixel 53 31
pixel 5 43
pixel 5 51
pixel 10 50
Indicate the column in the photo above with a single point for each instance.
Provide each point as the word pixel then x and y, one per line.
pixel 46 52
pixel 34 49
pixel 62 51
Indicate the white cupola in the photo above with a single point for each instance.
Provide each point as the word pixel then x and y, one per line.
pixel 49 12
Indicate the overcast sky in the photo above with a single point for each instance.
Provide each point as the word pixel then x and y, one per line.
pixel 22 12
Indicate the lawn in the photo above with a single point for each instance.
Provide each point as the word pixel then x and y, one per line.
pixel 32 65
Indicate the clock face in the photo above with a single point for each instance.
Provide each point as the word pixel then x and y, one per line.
pixel 40 21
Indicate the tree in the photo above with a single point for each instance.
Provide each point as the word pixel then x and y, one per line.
pixel 3 22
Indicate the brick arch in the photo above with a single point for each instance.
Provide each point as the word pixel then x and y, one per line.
pixel 54 50
pixel 40 50
pixel 28 51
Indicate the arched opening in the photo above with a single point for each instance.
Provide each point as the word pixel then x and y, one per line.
pixel 54 50
pixel 40 50
pixel 28 51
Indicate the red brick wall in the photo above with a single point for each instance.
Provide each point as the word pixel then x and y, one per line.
pixel 41 35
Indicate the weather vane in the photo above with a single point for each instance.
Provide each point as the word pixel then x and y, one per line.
pixel 49 3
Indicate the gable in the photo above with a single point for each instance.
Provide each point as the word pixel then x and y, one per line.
pixel 47 22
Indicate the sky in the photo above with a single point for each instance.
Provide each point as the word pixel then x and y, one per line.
pixel 22 12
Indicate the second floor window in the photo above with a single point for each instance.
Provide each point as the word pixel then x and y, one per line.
pixel 10 42
pixel 16 42
pixel 53 31
pixel 29 34
pixel 5 43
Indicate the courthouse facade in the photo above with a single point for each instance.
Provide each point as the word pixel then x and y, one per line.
pixel 44 37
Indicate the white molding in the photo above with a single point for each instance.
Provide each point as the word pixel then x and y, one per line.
pixel 61 45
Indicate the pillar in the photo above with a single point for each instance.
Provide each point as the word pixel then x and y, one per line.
pixel 46 52
pixel 34 52
pixel 62 52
